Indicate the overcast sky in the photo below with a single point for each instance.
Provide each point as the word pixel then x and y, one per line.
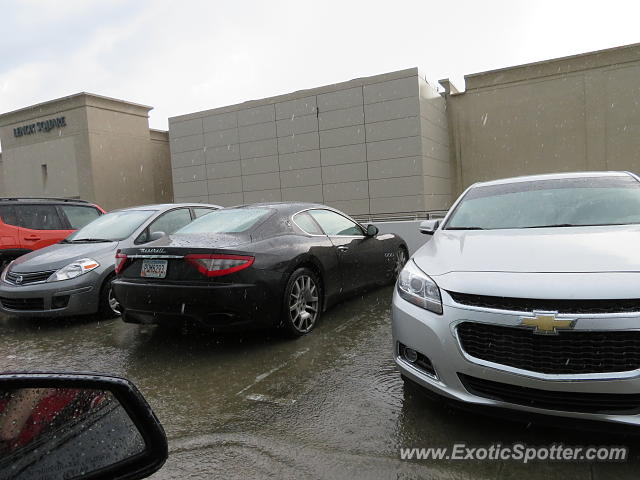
pixel 185 56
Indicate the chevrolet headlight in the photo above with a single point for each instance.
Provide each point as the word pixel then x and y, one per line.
pixel 417 287
pixel 75 269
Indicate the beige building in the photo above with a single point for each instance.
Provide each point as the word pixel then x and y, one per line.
pixel 568 114
pixel 370 146
pixel 392 145
pixel 85 146
pixel 381 146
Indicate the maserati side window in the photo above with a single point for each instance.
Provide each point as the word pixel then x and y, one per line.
pixel 335 224
pixel 307 224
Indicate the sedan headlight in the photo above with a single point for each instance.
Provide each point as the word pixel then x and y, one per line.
pixel 6 269
pixel 75 269
pixel 416 287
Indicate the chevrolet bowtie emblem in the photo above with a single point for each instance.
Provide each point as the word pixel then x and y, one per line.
pixel 546 323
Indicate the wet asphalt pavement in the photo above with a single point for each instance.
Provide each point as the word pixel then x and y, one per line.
pixel 329 405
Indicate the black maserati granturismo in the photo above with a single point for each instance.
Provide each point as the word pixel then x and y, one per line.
pixel 275 264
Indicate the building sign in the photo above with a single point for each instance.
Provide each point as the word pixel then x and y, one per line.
pixel 44 126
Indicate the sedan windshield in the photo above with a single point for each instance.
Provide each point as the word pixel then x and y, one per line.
pixel 111 227
pixel 231 220
pixel 564 202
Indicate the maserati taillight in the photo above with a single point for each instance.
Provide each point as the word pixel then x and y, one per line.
pixel 121 260
pixel 216 265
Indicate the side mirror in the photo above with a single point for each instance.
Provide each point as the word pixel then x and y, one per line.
pixel 80 426
pixel 429 227
pixel 372 230
pixel 155 236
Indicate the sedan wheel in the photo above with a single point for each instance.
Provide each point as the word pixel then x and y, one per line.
pixel 302 302
pixel 113 303
pixel 109 306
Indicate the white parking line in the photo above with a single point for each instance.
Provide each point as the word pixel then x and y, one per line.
pixel 258 397
pixel 264 375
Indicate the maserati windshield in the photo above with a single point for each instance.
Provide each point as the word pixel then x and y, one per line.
pixel 564 202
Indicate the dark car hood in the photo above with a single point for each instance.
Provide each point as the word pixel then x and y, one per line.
pixel 57 256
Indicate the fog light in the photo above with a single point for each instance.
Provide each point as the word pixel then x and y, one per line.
pixel 60 302
pixel 410 354
pixel 418 359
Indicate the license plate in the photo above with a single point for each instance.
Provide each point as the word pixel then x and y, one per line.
pixel 153 268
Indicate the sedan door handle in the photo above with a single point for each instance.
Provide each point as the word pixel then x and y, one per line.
pixel 342 248
pixel 32 237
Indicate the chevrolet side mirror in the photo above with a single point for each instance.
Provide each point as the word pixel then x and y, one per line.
pixel 372 230
pixel 429 227
pixel 76 426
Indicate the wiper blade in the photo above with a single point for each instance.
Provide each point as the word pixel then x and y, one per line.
pixel 558 225
pixel 90 240
pixel 464 228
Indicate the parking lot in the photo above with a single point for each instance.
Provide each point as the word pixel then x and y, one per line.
pixel 329 405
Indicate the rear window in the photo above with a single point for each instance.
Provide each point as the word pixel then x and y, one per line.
pixel 79 216
pixel 232 220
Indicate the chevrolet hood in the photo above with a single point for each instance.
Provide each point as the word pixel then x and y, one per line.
pixel 545 250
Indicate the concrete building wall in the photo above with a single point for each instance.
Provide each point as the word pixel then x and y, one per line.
pixel 46 163
pixel 103 151
pixel 2 187
pixel 434 135
pixel 356 145
pixel 568 114
pixel 120 153
pixel 161 166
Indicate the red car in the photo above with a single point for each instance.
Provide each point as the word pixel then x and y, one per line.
pixel 27 224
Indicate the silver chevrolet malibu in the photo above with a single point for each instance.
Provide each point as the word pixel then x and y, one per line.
pixel 73 277
pixel 527 297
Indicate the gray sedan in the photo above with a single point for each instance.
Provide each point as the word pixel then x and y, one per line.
pixel 74 277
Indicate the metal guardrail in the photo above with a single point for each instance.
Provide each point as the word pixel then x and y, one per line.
pixel 400 216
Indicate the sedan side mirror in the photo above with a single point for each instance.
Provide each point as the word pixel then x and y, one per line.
pixel 372 230
pixel 155 236
pixel 429 227
pixel 77 426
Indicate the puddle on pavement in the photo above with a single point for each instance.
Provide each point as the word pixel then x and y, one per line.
pixel 329 405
